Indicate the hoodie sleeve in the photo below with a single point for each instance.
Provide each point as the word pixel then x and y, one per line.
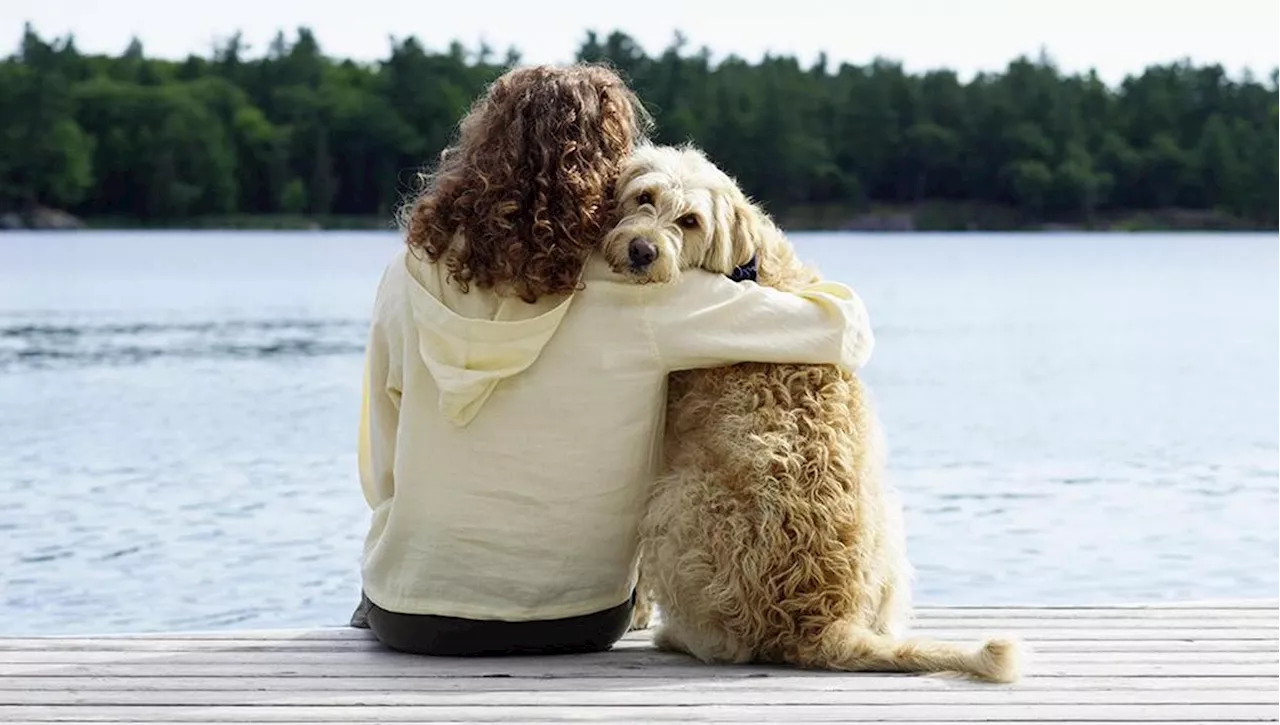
pixel 379 418
pixel 707 320
pixel 380 395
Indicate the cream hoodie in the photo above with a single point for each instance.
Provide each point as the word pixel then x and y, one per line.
pixel 506 448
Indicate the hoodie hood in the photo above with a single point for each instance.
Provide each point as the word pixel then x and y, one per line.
pixel 472 342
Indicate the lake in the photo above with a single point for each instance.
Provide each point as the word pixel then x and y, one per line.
pixel 1071 419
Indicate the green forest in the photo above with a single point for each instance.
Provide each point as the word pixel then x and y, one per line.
pixel 290 135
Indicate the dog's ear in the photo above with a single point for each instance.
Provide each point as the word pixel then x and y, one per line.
pixel 749 231
pixel 739 233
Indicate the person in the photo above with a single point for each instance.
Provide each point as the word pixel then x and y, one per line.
pixel 515 387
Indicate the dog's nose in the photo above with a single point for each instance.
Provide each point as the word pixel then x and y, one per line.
pixel 642 252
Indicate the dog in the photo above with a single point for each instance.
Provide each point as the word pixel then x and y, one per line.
pixel 771 535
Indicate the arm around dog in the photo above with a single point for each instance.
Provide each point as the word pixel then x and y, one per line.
pixel 706 320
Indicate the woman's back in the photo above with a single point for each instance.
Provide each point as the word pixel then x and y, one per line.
pixel 520 460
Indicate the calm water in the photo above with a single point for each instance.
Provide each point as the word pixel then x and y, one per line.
pixel 1072 419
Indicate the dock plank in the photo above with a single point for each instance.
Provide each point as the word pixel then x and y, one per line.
pixel 770 682
pixel 612 696
pixel 897 712
pixel 1161 663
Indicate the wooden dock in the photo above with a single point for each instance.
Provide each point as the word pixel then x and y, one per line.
pixel 1201 663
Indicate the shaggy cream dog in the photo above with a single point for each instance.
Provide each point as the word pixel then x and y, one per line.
pixel 771 535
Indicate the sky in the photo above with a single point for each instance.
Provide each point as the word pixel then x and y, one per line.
pixel 1115 37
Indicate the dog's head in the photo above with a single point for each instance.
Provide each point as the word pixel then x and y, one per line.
pixel 680 211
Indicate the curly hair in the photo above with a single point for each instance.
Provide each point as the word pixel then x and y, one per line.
pixel 522 197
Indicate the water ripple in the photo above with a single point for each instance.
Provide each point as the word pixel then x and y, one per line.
pixel 44 346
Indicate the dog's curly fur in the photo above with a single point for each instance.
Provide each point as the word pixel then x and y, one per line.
pixel 771 535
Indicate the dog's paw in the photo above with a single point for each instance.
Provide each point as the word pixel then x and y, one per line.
pixel 641 616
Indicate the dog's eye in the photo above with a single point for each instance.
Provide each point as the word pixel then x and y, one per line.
pixel 644 198
pixel 689 221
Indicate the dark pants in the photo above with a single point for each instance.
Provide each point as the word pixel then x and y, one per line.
pixel 430 634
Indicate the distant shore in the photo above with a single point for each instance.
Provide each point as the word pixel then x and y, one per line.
pixel 923 217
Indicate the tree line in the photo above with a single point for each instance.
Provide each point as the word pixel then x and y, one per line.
pixel 292 131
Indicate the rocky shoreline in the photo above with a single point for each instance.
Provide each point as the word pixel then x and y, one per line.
pixel 41 218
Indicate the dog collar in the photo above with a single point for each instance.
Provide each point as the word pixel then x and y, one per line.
pixel 745 272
